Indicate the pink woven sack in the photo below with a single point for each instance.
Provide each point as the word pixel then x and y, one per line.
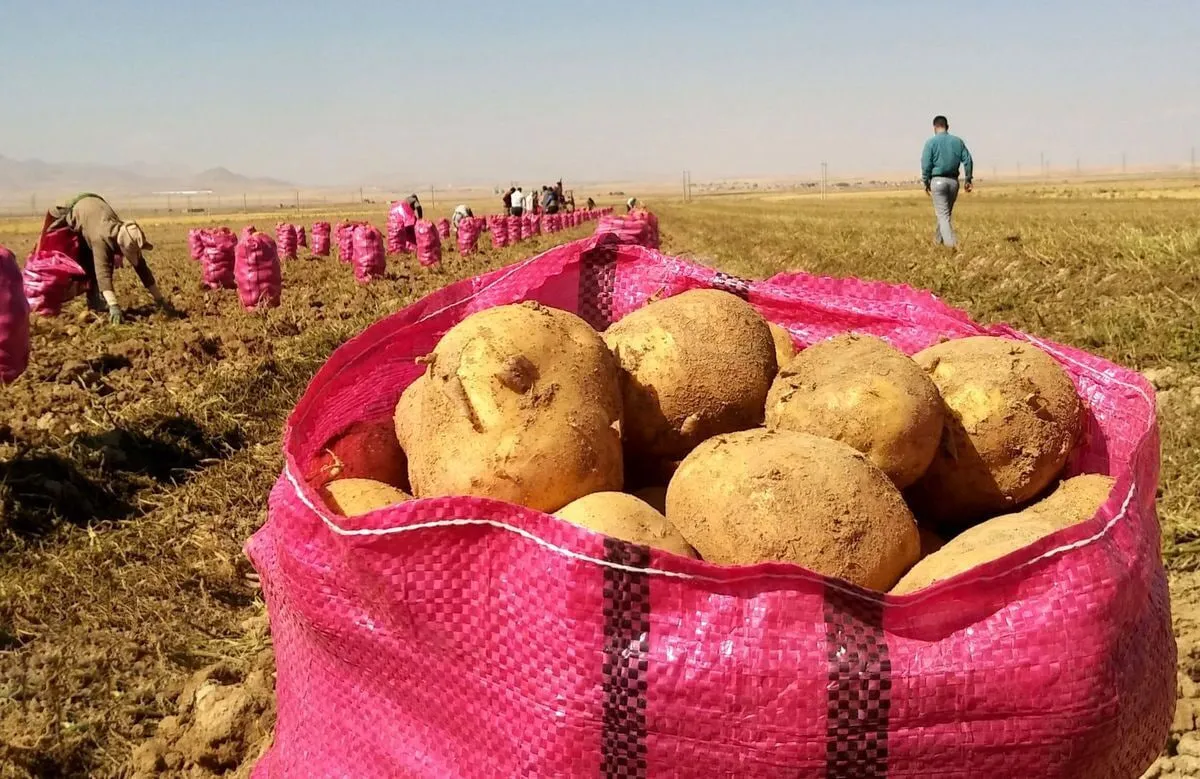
pixel 219 260
pixel 247 231
pixel 626 229
pixel 443 228
pixel 285 238
pixel 258 273
pixel 301 236
pixel 14 320
pixel 499 230
pixel 429 244
pixel 370 259
pixel 50 279
pixel 513 223
pixel 320 239
pixel 345 241
pixel 471 638
pixel 468 235
pixel 196 243
pixel 535 223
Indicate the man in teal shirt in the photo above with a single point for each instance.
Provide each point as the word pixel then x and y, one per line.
pixel 940 160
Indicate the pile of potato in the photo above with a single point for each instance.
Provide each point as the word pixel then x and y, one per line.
pixel 693 427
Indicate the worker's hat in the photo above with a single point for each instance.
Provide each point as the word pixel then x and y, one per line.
pixel 130 234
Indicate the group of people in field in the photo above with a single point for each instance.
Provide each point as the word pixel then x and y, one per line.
pixel 551 200
pixel 103 235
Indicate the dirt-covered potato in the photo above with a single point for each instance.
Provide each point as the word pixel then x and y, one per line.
pixel 778 495
pixel 860 390
pixel 355 497
pixel 785 350
pixel 519 403
pixel 1014 417
pixel 1076 500
pixel 692 366
pixel 627 518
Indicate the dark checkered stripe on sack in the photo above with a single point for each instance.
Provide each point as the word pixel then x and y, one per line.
pixel 626 643
pixel 597 275
pixel 860 688
pixel 732 284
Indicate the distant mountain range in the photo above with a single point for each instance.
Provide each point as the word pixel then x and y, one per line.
pixel 25 177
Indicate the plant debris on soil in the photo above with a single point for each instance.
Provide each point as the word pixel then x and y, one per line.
pixel 135 460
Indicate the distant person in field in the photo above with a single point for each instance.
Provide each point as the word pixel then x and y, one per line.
pixel 590 204
pixel 529 202
pixel 630 204
pixel 549 200
pixel 414 203
pixel 507 199
pixel 103 235
pixel 940 161
pixel 461 212
pixel 517 202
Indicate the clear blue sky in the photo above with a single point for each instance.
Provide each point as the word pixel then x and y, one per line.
pixel 440 92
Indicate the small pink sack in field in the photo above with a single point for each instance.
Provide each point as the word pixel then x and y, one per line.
pixel 370 259
pixel 301 237
pixel 526 226
pixel 320 239
pixel 443 228
pixel 196 243
pixel 499 229
pixel 429 244
pixel 345 241
pixel 50 279
pixel 285 237
pixel 535 224
pixel 468 235
pixel 14 320
pixel 514 229
pixel 259 276
pixel 219 260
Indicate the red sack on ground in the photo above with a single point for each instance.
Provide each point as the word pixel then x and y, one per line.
pixel 14 320
pixel 513 224
pixel 345 241
pixel 472 638
pixel 526 226
pixel 628 230
pixel 552 223
pixel 259 275
pixel 468 235
pixel 219 259
pixel 401 217
pixel 320 239
pixel 429 243
pixel 285 238
pixel 301 237
pixel 370 260
pixel 443 228
pixel 535 224
pixel 50 279
pixel 196 243
pixel 499 229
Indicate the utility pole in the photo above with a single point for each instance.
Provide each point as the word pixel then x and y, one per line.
pixel 1122 163
pixel 824 178
pixel 685 186
pixel 1193 162
pixel 297 200
pixel 245 208
pixel 360 197
pixel 433 196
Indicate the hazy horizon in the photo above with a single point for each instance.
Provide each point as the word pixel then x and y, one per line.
pixel 371 94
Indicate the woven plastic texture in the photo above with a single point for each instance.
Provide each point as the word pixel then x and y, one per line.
pixel 286 240
pixel 498 226
pixel 467 235
pixel 429 243
pixel 443 228
pixel 51 278
pixel 514 229
pixel 344 235
pixel 370 259
pixel 219 259
pixel 320 239
pixel 257 271
pixel 301 236
pixel 14 320
pixel 196 243
pixel 469 638
pixel 630 229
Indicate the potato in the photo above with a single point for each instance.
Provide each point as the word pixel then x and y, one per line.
pixel 779 495
pixel 1014 417
pixel 355 497
pixel 520 403
pixel 785 350
pixel 364 450
pixel 860 390
pixel 692 366
pixel 627 518
pixel 1076 500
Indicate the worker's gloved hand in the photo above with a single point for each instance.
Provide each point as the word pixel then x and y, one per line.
pixel 114 314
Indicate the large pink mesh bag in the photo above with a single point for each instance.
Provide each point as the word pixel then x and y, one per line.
pixel 499 230
pixel 258 273
pixel 344 234
pixel 286 240
pixel 320 239
pixel 462 637
pixel 513 223
pixel 301 236
pixel 50 279
pixel 196 243
pixel 443 228
pixel 429 244
pixel 219 259
pixel 626 229
pixel 370 259
pixel 14 320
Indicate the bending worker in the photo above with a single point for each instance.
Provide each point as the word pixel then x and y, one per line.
pixel 103 236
